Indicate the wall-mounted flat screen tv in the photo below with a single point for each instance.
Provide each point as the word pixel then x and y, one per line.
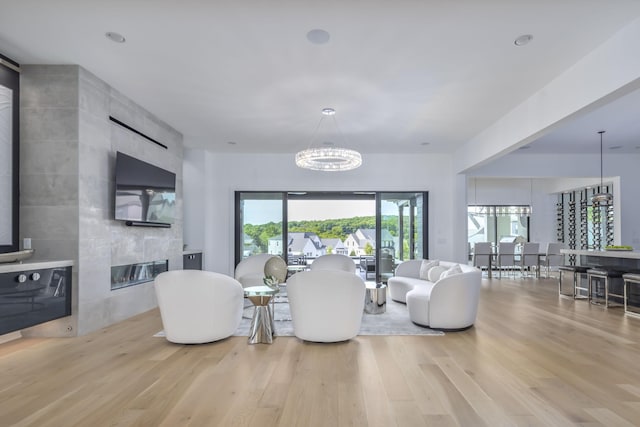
pixel 145 194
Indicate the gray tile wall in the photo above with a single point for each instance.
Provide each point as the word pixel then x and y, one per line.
pixel 68 160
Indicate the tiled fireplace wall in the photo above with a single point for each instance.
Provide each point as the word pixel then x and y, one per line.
pixel 68 147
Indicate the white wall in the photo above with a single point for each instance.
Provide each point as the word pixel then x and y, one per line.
pixel 556 173
pixel 223 174
pixel 519 191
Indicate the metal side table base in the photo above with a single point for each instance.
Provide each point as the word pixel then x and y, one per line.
pixel 261 331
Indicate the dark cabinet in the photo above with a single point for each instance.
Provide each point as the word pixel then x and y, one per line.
pixel 192 261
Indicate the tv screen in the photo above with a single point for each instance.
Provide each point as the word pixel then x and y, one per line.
pixel 144 193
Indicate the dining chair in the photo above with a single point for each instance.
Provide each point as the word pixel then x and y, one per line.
pixel 482 256
pixel 553 257
pixel 506 256
pixel 530 257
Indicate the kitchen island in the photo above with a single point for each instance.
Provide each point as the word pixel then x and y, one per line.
pixel 616 259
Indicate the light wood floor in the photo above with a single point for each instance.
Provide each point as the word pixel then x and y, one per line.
pixel 531 359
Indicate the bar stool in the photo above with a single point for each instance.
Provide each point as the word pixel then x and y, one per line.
pixel 606 275
pixel 630 279
pixel 578 273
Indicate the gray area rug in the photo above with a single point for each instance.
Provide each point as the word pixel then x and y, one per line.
pixel 395 321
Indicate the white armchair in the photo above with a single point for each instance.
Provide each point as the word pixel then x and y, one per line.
pixel 326 305
pixel 250 271
pixel 198 306
pixel 334 262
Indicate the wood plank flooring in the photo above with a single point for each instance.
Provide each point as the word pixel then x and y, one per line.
pixel 531 359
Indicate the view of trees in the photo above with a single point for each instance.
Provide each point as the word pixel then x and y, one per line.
pixel 325 229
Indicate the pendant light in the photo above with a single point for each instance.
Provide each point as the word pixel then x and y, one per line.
pixel 601 198
pixel 328 159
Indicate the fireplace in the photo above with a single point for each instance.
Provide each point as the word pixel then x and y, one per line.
pixel 123 276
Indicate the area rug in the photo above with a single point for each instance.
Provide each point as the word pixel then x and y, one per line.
pixel 395 321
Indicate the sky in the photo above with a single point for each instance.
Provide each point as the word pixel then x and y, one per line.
pixel 329 209
pixel 264 211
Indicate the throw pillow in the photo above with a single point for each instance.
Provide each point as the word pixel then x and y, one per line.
pixel 425 267
pixel 450 272
pixel 436 272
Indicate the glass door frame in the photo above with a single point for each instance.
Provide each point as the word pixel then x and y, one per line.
pixel 424 224
pixel 239 232
pixel 331 195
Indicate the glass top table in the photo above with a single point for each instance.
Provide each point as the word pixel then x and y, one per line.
pixel 261 330
pixel 260 295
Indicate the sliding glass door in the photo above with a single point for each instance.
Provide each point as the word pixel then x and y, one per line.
pixel 401 230
pixel 377 230
pixel 260 219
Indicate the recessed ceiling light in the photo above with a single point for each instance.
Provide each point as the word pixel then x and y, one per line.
pixel 318 36
pixel 615 147
pixel 118 38
pixel 523 40
pixel 328 111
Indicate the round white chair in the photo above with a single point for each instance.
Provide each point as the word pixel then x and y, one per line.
pixel 250 271
pixel 326 305
pixel 198 306
pixel 334 262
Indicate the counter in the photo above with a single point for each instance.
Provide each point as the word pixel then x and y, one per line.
pixel 33 265
pixel 620 260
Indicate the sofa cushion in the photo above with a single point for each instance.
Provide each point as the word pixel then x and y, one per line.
pixel 451 271
pixel 399 286
pixel 425 267
pixel 436 272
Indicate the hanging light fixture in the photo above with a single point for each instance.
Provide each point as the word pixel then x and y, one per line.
pixel 328 159
pixel 601 198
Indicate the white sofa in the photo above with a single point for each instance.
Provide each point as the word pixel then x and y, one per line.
pixel 447 303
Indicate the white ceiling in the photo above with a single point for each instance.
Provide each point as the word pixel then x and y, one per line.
pixel 399 73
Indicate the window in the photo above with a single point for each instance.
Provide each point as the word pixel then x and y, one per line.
pixel 494 223
pixel 385 228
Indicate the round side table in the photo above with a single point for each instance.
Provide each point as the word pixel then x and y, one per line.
pixel 375 301
pixel 261 330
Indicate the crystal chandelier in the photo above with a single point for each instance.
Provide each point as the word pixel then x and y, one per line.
pixel 601 198
pixel 328 159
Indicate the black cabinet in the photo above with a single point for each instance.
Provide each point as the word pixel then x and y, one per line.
pixel 192 261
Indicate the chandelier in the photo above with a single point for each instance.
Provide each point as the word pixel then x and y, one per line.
pixel 328 159
pixel 601 198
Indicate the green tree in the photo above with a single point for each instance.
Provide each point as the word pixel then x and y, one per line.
pixel 329 249
pixel 368 249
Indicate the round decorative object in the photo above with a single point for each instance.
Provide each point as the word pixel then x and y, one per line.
pixel 328 159
pixel 276 267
